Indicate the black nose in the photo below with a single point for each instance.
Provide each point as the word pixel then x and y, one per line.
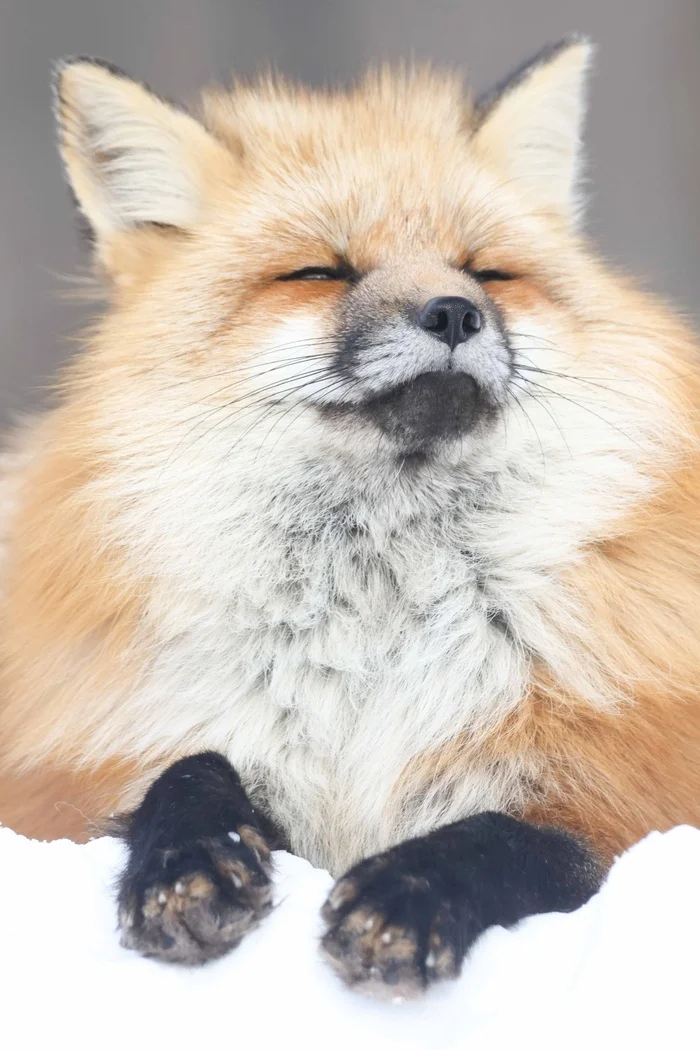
pixel 451 318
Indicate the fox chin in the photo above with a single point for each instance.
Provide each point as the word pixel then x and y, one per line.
pixel 365 523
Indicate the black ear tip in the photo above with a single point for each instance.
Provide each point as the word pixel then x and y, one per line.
pixel 62 64
pixel 581 40
pixel 60 67
pixel 57 70
pixel 87 60
pixel 573 40
pixel 546 55
pixel 552 51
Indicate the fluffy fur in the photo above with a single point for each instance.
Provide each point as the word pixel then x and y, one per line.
pixel 199 555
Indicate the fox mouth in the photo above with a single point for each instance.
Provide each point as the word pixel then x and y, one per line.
pixel 433 408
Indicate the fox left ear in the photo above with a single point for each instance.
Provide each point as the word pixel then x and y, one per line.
pixel 531 123
pixel 134 161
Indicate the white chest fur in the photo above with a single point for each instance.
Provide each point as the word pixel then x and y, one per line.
pixel 328 641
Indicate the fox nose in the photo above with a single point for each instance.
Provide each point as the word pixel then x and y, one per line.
pixel 451 318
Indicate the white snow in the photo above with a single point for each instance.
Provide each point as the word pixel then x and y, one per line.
pixel 621 972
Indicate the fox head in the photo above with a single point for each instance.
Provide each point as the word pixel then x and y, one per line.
pixel 390 275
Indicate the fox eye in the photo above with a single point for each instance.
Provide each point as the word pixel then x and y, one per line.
pixel 319 273
pixel 484 276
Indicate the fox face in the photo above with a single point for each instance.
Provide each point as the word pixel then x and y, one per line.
pixel 393 272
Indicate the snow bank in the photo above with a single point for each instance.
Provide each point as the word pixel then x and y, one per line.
pixel 622 972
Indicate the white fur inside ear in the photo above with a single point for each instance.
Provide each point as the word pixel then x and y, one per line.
pixel 534 128
pixel 131 158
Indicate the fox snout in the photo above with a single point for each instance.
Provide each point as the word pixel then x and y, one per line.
pixel 425 369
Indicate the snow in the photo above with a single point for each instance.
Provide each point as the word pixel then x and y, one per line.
pixel 621 972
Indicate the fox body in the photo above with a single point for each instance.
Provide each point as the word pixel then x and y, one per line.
pixel 398 558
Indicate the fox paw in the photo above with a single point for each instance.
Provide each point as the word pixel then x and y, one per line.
pixel 195 903
pixel 388 932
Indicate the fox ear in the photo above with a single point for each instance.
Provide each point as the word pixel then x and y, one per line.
pixel 131 158
pixel 531 123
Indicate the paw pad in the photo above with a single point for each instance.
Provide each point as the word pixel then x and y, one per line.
pixel 195 904
pixel 388 936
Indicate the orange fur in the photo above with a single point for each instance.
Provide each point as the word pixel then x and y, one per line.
pixel 609 751
pixel 70 610
pixel 50 804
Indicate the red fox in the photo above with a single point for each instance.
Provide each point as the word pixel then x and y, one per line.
pixel 367 521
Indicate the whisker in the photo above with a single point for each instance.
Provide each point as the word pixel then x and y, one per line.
pixel 304 405
pixel 522 408
pixel 597 382
pixel 557 393
pixel 580 404
pixel 528 335
pixel 255 355
pixel 268 386
pixel 253 370
pixel 556 423
pixel 342 385
pixel 288 386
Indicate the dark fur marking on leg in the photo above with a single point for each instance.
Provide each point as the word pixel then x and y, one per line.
pixel 198 874
pixel 402 920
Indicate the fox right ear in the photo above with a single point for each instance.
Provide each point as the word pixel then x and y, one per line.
pixel 530 125
pixel 132 159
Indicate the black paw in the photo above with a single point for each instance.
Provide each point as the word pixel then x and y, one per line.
pixel 406 918
pixel 390 934
pixel 195 903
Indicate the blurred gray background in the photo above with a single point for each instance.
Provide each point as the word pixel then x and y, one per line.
pixel 643 130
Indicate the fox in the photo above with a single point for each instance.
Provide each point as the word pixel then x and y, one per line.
pixel 364 524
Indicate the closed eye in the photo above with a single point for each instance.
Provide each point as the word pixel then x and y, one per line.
pixel 320 273
pixel 484 276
